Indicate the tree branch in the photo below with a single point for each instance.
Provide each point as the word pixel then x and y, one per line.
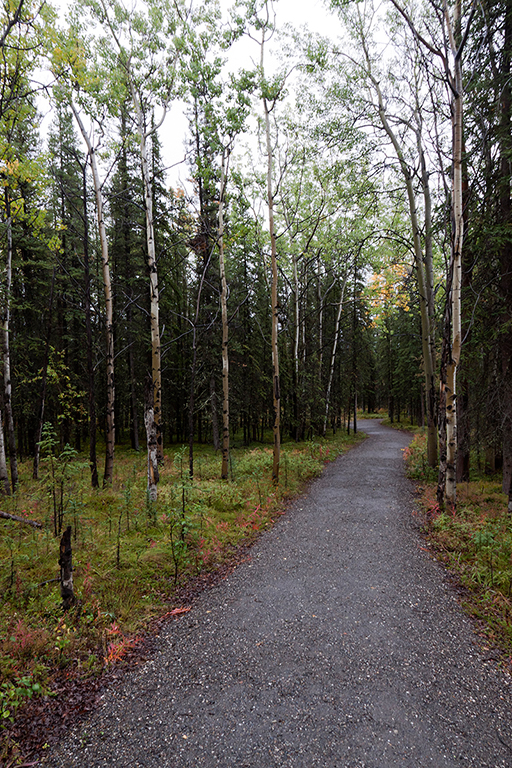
pixel 19 519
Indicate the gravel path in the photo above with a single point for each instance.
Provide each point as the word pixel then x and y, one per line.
pixel 340 644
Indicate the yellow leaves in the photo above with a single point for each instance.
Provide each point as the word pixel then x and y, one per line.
pixel 388 290
pixel 10 168
pixel 55 244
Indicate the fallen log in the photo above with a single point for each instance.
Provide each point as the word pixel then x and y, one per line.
pixel 19 519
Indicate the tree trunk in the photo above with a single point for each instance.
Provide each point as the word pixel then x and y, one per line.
pixel 333 354
pixel 191 402
pixel 66 570
pixel 6 319
pixel 296 339
pixel 430 364
pixel 156 364
pixel 424 274
pixel 151 438
pixel 93 464
pixel 225 329
pixel 18 519
pixel 274 298
pixel 445 355
pixel 5 487
pixel 457 240
pixel 107 286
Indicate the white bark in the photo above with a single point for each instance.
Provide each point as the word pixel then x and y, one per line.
pixel 5 487
pixel 6 354
pixel 225 328
pixel 425 288
pixel 107 286
pixel 457 240
pixel 274 298
pixel 453 73
pixel 333 353
pixel 458 236
pixel 156 364
pixel 151 438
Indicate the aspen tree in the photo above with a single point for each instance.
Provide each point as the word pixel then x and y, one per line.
pixel 451 56
pixel 107 288
pixel 422 257
pixel 225 327
pixel 139 41
pixel 21 29
pixel 270 92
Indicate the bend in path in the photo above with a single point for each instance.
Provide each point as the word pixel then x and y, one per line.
pixel 338 645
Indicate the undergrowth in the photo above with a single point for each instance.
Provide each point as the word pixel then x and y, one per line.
pixel 474 541
pixel 130 555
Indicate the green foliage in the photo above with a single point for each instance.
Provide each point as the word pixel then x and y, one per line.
pixel 475 542
pixel 14 694
pixel 415 456
pixel 59 479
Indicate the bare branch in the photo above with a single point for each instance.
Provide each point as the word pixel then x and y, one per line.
pixel 19 519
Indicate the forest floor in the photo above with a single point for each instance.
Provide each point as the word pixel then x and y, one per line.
pixel 339 641
pixel 136 563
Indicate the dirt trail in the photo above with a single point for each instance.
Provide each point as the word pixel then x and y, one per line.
pixel 340 645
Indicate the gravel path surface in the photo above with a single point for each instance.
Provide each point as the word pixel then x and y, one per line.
pixel 340 644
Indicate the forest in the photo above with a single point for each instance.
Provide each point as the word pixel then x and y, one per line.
pixel 335 241
pixel 341 238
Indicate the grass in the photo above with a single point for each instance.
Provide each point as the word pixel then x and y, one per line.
pixel 474 542
pixel 402 422
pixel 130 556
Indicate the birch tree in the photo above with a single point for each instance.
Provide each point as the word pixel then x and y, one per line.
pixel 449 52
pixel 412 165
pixel 148 43
pixel 92 148
pixel 271 91
pixel 225 326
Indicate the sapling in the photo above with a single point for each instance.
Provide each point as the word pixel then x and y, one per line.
pixel 57 481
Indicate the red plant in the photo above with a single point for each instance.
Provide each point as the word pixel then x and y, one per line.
pixel 25 643
pixel 119 648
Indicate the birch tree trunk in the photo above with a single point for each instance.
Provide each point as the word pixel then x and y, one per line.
pixel 453 73
pixel 424 272
pixel 296 339
pixel 5 487
pixel 333 354
pixel 144 134
pixel 93 464
pixel 457 240
pixel 430 367
pixel 156 364
pixel 151 438
pixel 107 286
pixel 225 328
pixel 274 299
pixel 6 319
